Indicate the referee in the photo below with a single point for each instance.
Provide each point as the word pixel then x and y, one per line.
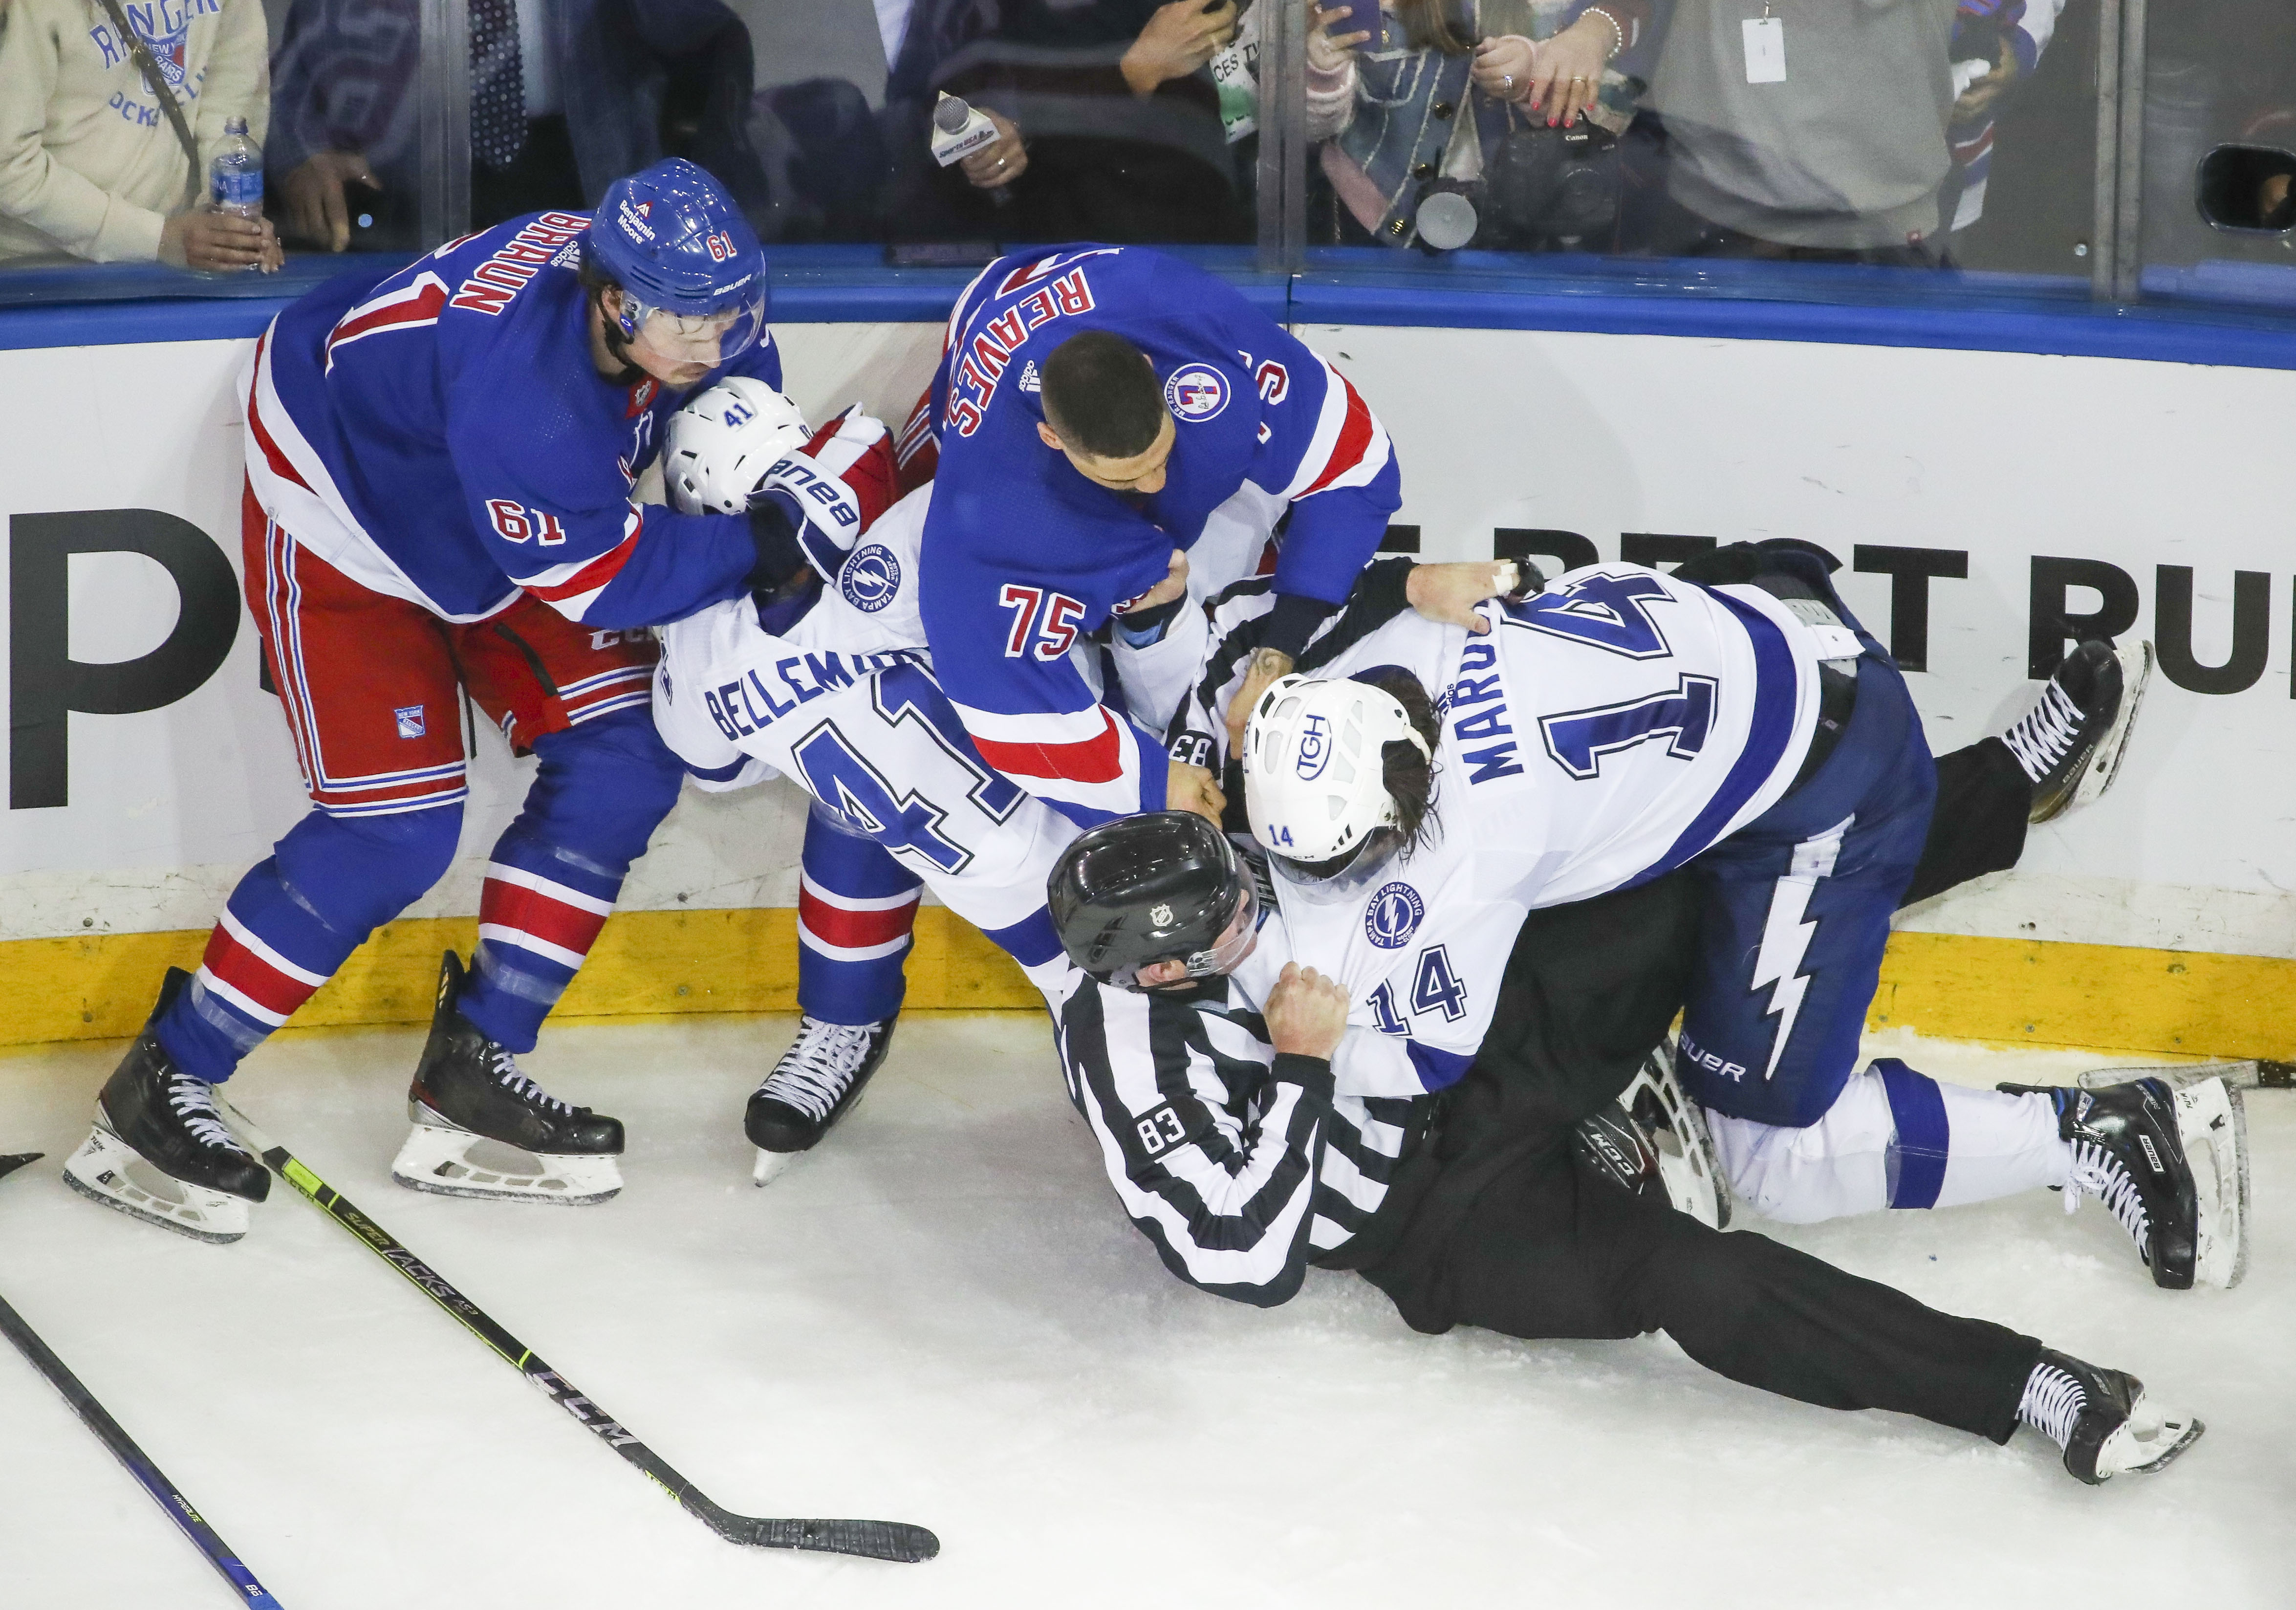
pixel 1520 1199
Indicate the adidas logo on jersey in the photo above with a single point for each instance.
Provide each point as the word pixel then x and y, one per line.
pixel 1030 380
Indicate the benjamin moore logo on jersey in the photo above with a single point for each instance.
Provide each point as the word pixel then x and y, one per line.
pixel 1393 916
pixel 870 579
pixel 1315 749
pixel 1196 393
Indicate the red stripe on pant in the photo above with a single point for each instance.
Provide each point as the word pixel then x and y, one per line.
pixel 530 911
pixel 853 930
pixel 235 964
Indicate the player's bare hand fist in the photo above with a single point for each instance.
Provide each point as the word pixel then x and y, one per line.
pixel 219 241
pixel 1193 788
pixel 1179 38
pixel 1267 665
pixel 314 189
pixel 1449 592
pixel 1307 1014
pixel 1175 584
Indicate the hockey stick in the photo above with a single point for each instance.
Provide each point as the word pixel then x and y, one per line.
pixel 872 1539
pixel 123 1447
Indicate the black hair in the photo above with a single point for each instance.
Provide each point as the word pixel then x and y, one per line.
pixel 1100 395
pixel 596 283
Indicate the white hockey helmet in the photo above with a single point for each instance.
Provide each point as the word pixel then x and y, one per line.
pixel 1314 781
pixel 721 443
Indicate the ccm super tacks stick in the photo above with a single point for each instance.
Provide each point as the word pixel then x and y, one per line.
pixel 873 1539
pixel 244 1587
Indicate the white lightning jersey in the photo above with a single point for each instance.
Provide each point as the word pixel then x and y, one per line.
pixel 843 701
pixel 1601 734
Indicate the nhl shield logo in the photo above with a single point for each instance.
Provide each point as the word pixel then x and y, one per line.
pixel 1393 916
pixel 1196 393
pixel 870 579
pixel 1161 914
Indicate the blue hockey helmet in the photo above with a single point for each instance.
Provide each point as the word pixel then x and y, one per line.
pixel 692 272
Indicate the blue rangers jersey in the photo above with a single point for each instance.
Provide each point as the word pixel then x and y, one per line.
pixel 440 435
pixel 1601 734
pixel 1022 554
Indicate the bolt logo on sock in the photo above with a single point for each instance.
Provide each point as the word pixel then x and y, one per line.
pixel 1393 916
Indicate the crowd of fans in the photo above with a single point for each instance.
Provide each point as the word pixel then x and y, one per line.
pixel 1856 130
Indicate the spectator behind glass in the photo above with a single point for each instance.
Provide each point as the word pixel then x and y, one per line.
pixel 1996 45
pixel 1841 160
pixel 90 165
pixel 1387 109
pixel 566 96
pixel 1109 123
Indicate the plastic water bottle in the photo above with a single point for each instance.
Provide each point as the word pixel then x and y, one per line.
pixel 235 173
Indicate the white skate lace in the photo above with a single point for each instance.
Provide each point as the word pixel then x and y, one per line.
pixel 507 1074
pixel 2052 1402
pixel 2046 734
pixel 813 1074
pixel 193 1102
pixel 2098 1173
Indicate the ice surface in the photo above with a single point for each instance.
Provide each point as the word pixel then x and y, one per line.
pixel 940 1317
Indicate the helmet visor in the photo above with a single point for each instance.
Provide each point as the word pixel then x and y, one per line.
pixel 1224 955
pixel 710 339
pixel 1322 883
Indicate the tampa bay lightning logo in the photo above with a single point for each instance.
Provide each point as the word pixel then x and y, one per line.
pixel 870 579
pixel 1196 393
pixel 1393 916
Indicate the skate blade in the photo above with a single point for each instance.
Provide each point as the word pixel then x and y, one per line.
pixel 2239 1075
pixel 2212 1123
pixel 2146 1442
pixel 1686 1166
pixel 455 1162
pixel 2105 765
pixel 105 1169
pixel 771 1166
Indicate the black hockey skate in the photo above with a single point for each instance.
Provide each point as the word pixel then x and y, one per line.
pixel 815 1082
pixel 2071 743
pixel 1675 1131
pixel 484 1129
pixel 2129 1152
pixel 154 1111
pixel 2102 1419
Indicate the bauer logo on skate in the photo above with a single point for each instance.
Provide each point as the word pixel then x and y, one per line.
pixel 1196 393
pixel 1393 916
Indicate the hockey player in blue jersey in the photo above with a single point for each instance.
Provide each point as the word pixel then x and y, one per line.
pixel 441 502
pixel 1096 410
pixel 1622 724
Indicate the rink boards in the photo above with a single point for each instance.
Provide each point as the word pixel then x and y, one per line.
pixel 1968 494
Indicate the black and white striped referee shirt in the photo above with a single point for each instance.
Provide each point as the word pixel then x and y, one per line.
pixel 1242 1166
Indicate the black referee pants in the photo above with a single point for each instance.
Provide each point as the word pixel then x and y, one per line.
pixel 1492 1222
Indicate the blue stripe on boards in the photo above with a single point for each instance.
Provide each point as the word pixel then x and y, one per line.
pixel 1923 1136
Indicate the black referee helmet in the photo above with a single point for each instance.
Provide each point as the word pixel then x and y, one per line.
pixel 1165 886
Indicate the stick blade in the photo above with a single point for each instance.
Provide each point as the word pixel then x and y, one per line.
pixel 9 1165
pixel 896 1540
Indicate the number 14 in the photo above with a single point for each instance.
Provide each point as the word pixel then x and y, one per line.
pixel 1435 987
